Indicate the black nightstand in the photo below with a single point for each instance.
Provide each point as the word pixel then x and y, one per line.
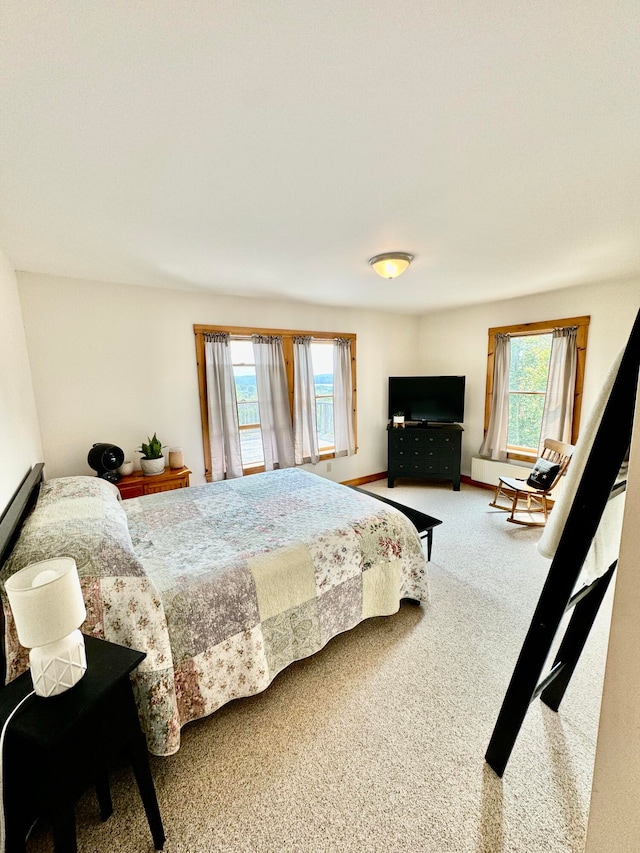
pixel 56 748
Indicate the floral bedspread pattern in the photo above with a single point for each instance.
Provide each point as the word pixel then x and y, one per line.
pixel 222 585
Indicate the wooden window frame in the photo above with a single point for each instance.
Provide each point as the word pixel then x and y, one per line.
pixel 545 327
pixel 287 336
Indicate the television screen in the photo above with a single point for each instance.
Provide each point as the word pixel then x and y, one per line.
pixel 439 399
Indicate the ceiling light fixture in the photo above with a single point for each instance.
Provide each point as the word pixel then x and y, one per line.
pixel 391 264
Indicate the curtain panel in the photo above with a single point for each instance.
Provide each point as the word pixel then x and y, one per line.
pixel 273 402
pixel 557 415
pixel 494 445
pixel 305 432
pixel 343 398
pixel 224 433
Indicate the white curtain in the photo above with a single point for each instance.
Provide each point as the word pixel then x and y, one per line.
pixel 342 398
pixel 273 402
pixel 305 432
pixel 557 415
pixel 494 445
pixel 224 434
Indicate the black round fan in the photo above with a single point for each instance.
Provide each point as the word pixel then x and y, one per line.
pixel 105 459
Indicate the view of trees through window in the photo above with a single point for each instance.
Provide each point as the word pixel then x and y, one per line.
pixel 530 356
pixel 528 373
pixel 244 372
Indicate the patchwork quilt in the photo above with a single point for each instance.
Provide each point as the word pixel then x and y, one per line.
pixel 222 585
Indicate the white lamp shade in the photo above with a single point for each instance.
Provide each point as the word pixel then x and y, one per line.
pixel 46 601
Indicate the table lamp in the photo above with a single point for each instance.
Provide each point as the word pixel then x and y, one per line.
pixel 48 609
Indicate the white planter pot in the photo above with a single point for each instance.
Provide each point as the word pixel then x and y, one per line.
pixel 152 466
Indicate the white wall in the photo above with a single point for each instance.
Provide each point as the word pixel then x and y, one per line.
pixel 19 431
pixel 115 363
pixel 456 341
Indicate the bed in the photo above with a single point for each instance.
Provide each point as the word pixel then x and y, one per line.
pixel 222 585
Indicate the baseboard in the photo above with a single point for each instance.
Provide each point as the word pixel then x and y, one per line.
pixel 469 482
pixel 359 481
pixel 371 478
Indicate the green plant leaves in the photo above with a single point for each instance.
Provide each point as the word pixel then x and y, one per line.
pixel 152 449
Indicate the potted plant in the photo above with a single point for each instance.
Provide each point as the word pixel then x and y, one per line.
pixel 398 419
pixel 152 461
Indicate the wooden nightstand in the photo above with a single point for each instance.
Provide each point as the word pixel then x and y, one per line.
pixel 137 484
pixel 57 747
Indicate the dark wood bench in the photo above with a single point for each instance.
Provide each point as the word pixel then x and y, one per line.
pixel 423 523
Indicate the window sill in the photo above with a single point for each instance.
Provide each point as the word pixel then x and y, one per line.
pixel 259 469
pixel 522 456
pixel 253 469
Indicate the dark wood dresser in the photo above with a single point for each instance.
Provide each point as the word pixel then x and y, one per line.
pixel 425 452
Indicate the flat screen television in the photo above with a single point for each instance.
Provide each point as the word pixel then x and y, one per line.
pixel 435 399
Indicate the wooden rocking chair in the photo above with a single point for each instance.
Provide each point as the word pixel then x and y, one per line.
pixel 521 498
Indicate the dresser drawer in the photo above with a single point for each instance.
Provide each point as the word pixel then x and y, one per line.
pixel 137 485
pixel 422 452
pixel 153 489
pixel 424 466
pixel 135 491
pixel 419 438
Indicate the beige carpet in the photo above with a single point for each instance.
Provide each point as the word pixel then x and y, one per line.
pixel 377 743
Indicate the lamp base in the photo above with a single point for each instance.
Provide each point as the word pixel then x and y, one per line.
pixel 58 666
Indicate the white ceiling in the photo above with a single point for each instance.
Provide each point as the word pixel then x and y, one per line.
pixel 270 147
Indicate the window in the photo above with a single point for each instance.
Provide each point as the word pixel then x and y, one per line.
pixel 528 371
pixel 244 374
pixel 530 349
pixel 322 357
